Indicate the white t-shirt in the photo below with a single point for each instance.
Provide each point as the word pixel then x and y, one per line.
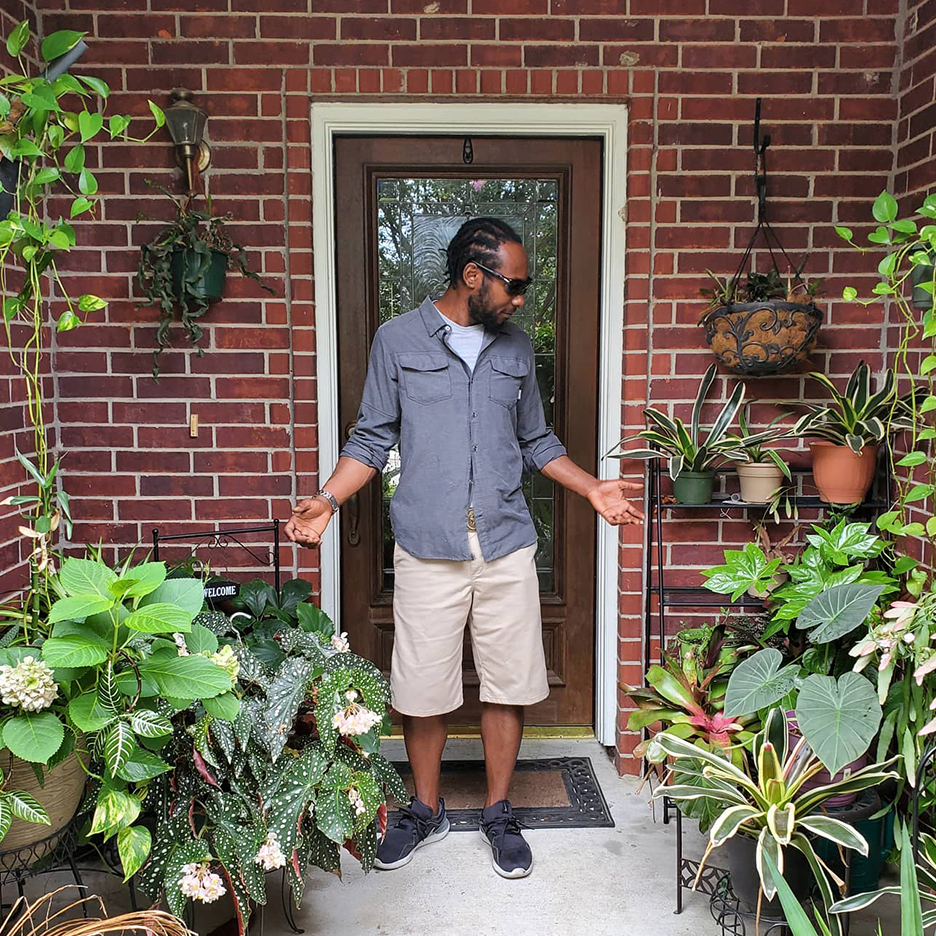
pixel 464 340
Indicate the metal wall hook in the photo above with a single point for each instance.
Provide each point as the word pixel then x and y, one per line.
pixel 467 152
pixel 760 162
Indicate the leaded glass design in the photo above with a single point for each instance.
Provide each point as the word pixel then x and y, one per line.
pixel 416 219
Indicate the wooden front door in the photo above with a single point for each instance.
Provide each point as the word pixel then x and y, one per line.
pixel 399 200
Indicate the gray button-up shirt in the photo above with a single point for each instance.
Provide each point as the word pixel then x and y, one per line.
pixel 465 437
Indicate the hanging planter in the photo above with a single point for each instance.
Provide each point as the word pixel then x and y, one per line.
pixel 769 323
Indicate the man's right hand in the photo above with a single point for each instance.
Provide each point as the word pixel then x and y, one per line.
pixel 308 522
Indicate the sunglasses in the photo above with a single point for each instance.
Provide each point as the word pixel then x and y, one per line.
pixel 514 287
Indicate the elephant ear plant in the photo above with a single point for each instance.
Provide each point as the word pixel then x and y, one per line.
pixel 768 802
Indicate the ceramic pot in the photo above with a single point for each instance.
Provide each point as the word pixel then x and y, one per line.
pixel 694 487
pixel 841 476
pixel 921 273
pixel 758 481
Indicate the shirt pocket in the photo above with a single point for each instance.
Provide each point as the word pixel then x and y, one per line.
pixel 506 377
pixel 426 377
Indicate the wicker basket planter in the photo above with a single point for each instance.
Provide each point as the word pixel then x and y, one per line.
pixel 60 796
pixel 758 339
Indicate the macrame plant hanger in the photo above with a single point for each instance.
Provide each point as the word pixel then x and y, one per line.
pixel 763 225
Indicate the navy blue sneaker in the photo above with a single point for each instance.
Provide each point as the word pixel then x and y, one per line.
pixel 415 826
pixel 512 856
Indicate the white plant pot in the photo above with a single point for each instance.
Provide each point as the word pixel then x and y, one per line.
pixel 758 481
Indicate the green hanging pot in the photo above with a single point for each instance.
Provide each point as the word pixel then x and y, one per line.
pixel 921 273
pixel 694 487
pixel 206 281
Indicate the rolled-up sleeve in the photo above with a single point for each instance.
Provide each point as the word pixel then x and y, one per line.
pixel 378 424
pixel 539 445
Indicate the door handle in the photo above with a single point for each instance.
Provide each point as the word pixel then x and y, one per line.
pixel 353 504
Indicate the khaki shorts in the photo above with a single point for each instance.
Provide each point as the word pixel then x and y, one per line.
pixel 433 599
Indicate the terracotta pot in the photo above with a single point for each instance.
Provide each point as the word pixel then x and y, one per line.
pixel 841 476
pixel 758 481
pixel 60 796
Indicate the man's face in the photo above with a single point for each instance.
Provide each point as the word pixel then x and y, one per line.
pixel 489 304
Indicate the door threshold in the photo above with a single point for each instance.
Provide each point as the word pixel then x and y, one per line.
pixel 531 731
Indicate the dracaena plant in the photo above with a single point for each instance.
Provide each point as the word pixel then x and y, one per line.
pixel 860 416
pixel 281 777
pixel 766 801
pixel 752 447
pixel 94 675
pixel 910 244
pixel 694 447
pixel 46 126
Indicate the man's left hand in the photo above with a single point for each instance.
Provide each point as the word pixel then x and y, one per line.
pixel 609 498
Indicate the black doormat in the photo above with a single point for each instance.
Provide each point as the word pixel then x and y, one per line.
pixel 546 793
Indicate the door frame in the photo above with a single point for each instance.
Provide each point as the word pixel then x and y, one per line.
pixel 608 122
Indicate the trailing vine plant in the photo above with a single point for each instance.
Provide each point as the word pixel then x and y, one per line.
pixel 45 129
pixel 911 243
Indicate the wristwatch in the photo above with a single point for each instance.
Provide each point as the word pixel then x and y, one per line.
pixel 330 498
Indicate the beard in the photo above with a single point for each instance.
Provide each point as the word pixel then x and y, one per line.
pixel 482 312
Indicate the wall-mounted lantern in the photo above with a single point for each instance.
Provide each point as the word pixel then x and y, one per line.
pixel 186 122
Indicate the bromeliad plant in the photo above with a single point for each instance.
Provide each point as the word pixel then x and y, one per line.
pixel 767 802
pixel 281 776
pixel 95 675
pixel 686 694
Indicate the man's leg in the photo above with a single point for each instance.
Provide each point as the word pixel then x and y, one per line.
pixel 425 741
pixel 501 733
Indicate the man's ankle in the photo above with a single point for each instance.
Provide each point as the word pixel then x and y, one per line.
pixel 432 804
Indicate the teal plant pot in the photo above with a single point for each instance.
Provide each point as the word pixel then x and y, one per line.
pixel 205 282
pixel 694 487
pixel 865 872
pixel 921 273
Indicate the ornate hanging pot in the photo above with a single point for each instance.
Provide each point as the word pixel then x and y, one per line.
pixel 758 328
pixel 758 339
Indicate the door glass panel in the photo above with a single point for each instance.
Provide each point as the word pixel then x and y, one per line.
pixel 416 220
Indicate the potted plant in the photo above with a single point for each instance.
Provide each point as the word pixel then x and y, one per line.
pixel 282 775
pixel 761 326
pixel 765 813
pixel 846 432
pixel 760 469
pixel 183 269
pixel 86 672
pixel 692 452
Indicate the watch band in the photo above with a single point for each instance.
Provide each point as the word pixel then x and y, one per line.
pixel 332 500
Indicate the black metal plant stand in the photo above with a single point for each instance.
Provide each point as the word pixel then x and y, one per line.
pixel 698 598
pixel 222 538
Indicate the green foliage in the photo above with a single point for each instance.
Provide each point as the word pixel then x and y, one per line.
pixel 910 244
pixel 694 447
pixel 192 234
pixel 765 800
pixel 280 767
pixel 46 126
pixel 744 570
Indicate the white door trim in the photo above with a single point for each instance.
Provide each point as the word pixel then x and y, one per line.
pixel 606 121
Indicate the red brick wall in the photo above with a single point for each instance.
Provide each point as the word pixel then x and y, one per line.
pixel 915 168
pixel 13 418
pixel 689 76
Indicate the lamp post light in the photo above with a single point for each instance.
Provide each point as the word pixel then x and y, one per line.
pixel 186 122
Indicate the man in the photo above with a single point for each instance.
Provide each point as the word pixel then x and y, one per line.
pixel 454 382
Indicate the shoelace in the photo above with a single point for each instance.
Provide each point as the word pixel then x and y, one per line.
pixel 411 822
pixel 503 826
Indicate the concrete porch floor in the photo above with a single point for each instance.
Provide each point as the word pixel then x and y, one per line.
pixel 601 882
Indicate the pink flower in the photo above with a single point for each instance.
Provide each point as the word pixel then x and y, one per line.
pixel 477 184
pixel 901 612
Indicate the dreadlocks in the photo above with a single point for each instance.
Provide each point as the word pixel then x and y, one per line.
pixel 477 241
